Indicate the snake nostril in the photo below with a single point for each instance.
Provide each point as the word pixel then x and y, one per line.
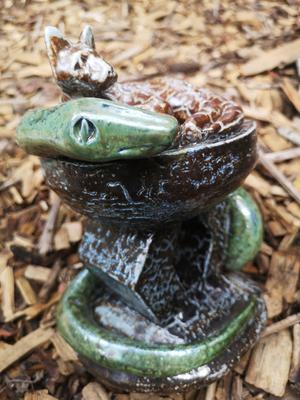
pixel 76 66
pixel 84 131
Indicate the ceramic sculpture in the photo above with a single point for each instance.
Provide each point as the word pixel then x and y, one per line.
pixel 156 167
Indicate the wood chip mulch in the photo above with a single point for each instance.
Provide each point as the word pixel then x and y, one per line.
pixel 248 50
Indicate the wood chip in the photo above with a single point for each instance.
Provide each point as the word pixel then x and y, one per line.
pixel 8 292
pixel 153 396
pixel 94 391
pixel 74 230
pixel 256 182
pixel 270 363
pixel 282 55
pixel 211 391
pixel 278 175
pixel 295 369
pixel 45 241
pixel 284 155
pixel 5 255
pixel 291 93
pixel 4 345
pixel 18 199
pixel 24 346
pixel 37 273
pixel 50 282
pixel 63 349
pixel 276 228
pixel 61 239
pixel 282 281
pixel 65 368
pixel 284 126
pixel 280 325
pixel 294 209
pixel 39 395
pixel 242 365
pixel 33 311
pixel 26 290
pixel 279 212
pixel 288 240
pixel 273 140
pixel 290 133
pixel 132 51
pixel 224 387
pixel 237 389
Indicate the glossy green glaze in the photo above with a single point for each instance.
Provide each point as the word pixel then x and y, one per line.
pixel 95 130
pixel 76 324
pixel 246 230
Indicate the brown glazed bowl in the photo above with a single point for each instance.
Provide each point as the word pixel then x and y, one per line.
pixel 173 186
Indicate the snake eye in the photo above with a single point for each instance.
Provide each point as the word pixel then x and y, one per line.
pixel 84 131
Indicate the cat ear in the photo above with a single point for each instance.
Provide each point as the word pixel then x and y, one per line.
pixel 87 37
pixel 54 43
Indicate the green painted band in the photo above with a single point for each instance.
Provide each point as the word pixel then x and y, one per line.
pixel 246 230
pixel 76 324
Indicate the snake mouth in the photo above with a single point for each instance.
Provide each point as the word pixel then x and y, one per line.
pixel 125 150
pixel 133 151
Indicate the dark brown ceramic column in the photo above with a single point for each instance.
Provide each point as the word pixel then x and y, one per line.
pixel 137 265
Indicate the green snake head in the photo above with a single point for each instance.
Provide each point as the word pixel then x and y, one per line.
pixel 95 130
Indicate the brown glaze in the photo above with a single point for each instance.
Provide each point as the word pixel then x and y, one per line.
pixel 78 67
pixel 202 113
pixel 81 72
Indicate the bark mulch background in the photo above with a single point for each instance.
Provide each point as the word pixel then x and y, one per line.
pixel 248 50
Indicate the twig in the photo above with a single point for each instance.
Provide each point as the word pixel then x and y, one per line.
pixel 283 324
pixel 278 175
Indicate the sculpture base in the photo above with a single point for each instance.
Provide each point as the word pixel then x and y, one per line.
pixel 127 352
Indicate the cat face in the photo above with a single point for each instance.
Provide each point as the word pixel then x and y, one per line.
pixel 79 70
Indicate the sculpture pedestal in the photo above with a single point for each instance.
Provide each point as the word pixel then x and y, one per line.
pixel 154 308
pixel 151 311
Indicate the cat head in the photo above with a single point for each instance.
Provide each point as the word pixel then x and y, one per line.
pixel 77 67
